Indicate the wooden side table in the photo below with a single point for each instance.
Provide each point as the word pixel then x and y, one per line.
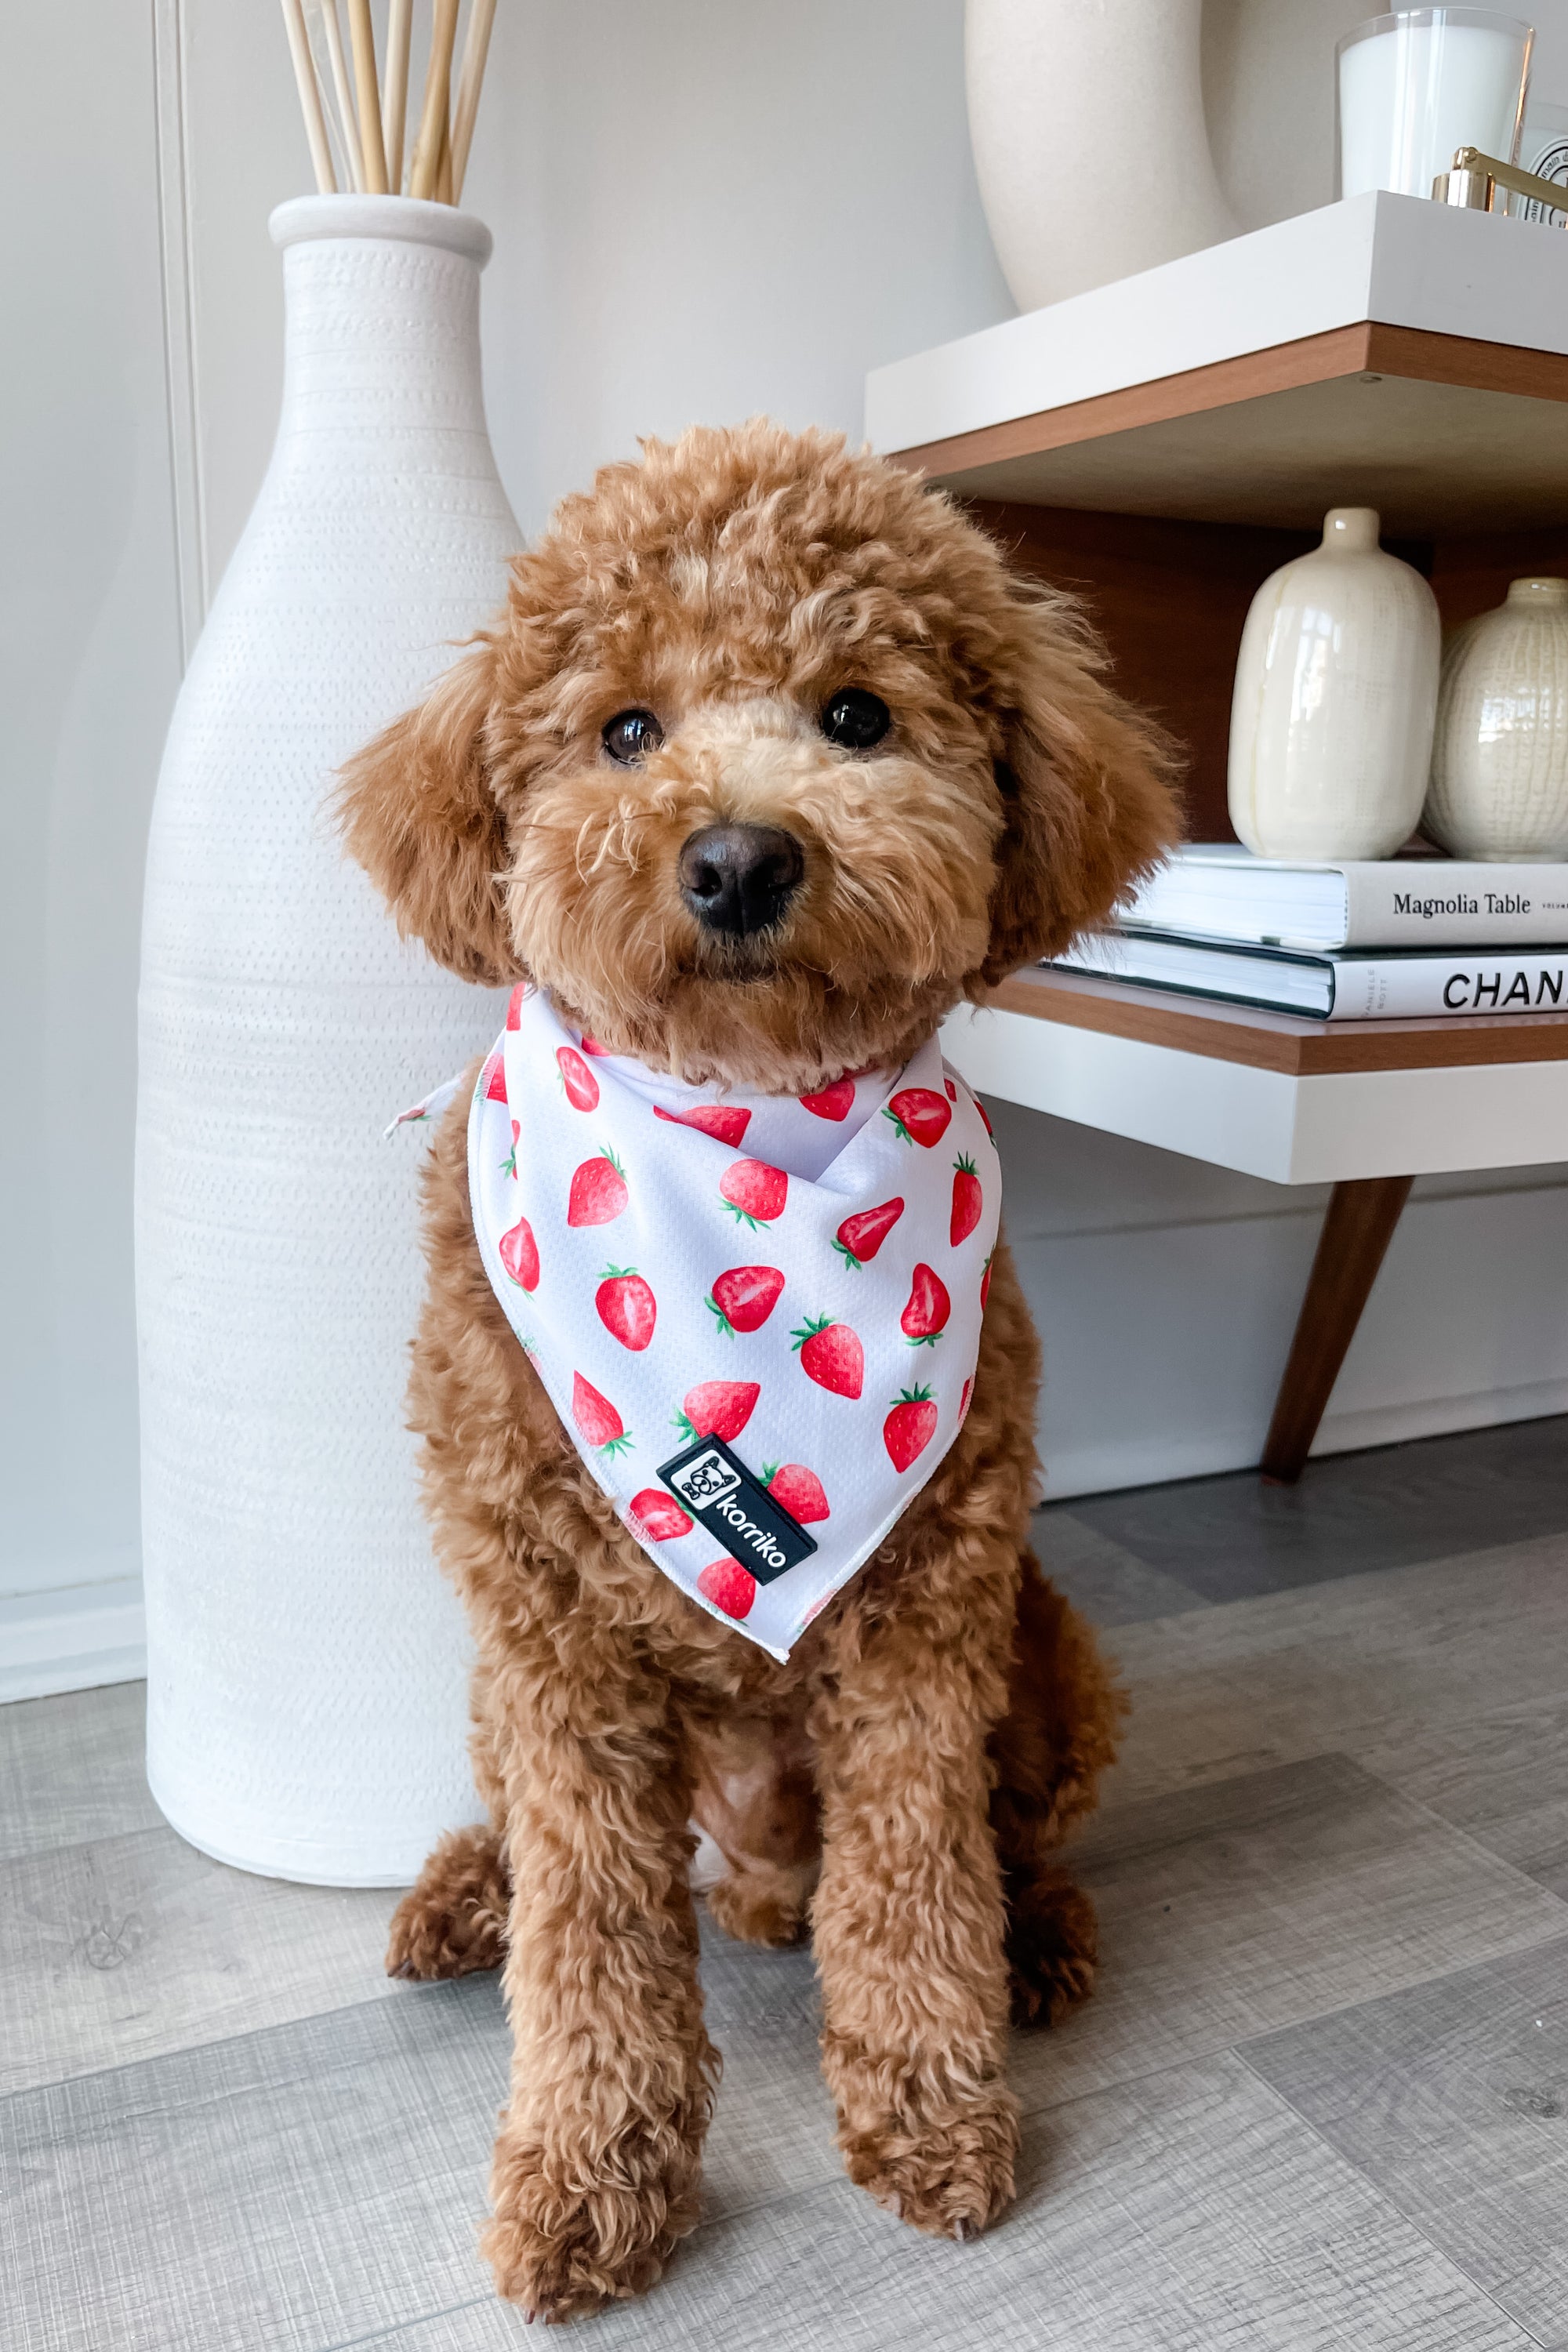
pixel 1364 1106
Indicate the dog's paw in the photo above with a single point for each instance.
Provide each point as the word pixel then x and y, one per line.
pixel 561 2247
pixel 760 1907
pixel 1052 1944
pixel 452 1923
pixel 948 2175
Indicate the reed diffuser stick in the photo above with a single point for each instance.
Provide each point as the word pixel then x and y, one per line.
pixel 476 50
pixel 346 128
pixel 394 94
pixel 309 98
pixel 437 96
pixel 361 33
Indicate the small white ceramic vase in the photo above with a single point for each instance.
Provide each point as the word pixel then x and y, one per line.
pixel 1336 688
pixel 1090 149
pixel 307 1662
pixel 1499 761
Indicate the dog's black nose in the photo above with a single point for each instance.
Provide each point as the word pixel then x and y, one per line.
pixel 739 879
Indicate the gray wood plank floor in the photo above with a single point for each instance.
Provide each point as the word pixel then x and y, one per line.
pixel 1318 2103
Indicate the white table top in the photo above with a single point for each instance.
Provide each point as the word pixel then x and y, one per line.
pixel 1195 1078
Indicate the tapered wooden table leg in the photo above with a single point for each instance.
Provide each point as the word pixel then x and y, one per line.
pixel 1356 1232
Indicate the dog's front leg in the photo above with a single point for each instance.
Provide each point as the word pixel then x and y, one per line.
pixel 596 2168
pixel 907 1927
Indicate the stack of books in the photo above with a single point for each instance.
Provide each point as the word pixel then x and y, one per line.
pixel 1403 938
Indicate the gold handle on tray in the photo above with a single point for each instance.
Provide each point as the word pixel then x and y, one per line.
pixel 1473 180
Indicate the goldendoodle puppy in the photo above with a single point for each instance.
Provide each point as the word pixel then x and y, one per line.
pixel 768 762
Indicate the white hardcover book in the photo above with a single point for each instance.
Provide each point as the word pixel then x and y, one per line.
pixel 1337 987
pixel 1221 891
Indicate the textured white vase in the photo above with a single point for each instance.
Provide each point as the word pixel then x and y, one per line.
pixel 1336 688
pixel 306 1659
pixel 1087 122
pixel 1499 761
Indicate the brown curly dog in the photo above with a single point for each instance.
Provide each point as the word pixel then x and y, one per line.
pixel 664 664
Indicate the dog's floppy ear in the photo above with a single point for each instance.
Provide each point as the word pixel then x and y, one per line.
pixel 1086 780
pixel 416 810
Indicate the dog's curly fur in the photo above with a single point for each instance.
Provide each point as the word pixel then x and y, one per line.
pixel 901 1782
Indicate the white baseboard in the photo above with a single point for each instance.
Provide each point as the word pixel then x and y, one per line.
pixel 74 1638
pixel 1391 1424
pixel 1105 1469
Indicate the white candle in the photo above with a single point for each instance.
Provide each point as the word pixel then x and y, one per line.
pixel 1423 84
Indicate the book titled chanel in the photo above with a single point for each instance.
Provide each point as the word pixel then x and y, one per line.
pixel 1364 985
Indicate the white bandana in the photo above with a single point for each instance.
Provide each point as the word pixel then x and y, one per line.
pixel 757 1315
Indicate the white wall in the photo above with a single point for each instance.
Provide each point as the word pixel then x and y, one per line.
pixel 90 646
pixel 702 208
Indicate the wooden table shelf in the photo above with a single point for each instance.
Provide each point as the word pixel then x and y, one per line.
pixel 1364 1106
pixel 1159 447
pixel 1384 352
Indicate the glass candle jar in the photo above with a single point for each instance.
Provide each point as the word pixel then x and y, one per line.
pixel 1414 86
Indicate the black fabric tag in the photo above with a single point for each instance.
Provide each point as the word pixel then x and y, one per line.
pixel 722 1494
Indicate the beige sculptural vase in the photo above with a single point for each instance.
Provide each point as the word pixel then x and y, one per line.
pixel 1336 688
pixel 1499 761
pixel 1087 123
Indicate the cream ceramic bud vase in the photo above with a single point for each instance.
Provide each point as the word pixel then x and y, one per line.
pixel 1336 685
pixel 306 1663
pixel 1500 763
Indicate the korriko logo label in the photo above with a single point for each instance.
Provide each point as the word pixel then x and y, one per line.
pixel 718 1489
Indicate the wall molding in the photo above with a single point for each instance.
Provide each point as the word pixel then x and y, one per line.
pixel 76 1637
pixel 1105 1470
pixel 180 368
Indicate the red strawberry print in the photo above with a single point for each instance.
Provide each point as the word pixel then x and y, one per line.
pixel 920 1115
pixel 718 1409
pixel 985 1282
pixel 626 1307
pixel 599 1192
pixel 727 1122
pixel 968 1199
pixel 796 1490
pixel 910 1426
pixel 924 1320
pixel 832 1356
pixel 509 1165
pixel 515 1004
pixel 743 1297
pixel 596 1417
pixel 835 1102
pixel 494 1077
pixel 657 1515
pixel 754 1192
pixel 729 1586
pixel 582 1087
pixel 985 1119
pixel 952 1090
pixel 520 1255
pixel 859 1237
pixel 963 1402
pixel 592 1045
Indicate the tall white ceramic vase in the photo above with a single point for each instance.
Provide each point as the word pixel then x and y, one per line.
pixel 306 1662
pixel 1091 147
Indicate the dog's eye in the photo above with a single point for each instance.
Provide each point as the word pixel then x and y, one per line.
pixel 854 720
pixel 631 735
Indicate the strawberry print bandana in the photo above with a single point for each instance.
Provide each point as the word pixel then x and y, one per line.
pixel 758 1315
